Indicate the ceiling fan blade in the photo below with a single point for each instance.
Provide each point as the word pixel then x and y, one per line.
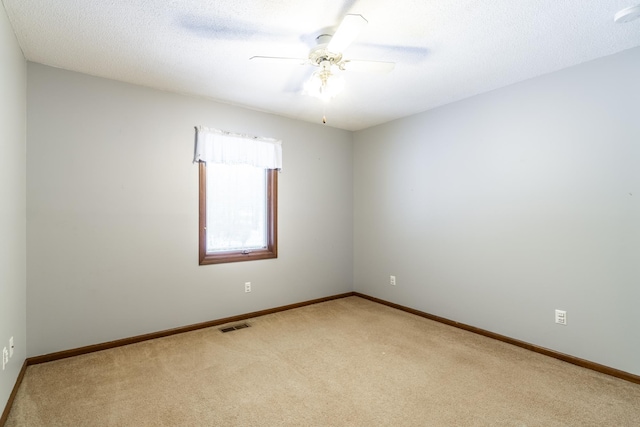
pixel 379 67
pixel 281 59
pixel 346 33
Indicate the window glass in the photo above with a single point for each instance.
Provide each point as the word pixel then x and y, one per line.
pixel 236 208
pixel 238 213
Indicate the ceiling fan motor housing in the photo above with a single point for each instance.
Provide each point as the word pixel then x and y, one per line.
pixel 320 54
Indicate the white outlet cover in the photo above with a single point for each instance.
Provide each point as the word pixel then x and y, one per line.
pixel 561 317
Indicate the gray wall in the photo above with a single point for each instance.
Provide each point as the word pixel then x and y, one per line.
pixel 13 113
pixel 112 207
pixel 492 211
pixel 497 210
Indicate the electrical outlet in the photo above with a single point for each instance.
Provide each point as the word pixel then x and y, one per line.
pixel 561 317
pixel 11 346
pixel 247 286
pixel 392 280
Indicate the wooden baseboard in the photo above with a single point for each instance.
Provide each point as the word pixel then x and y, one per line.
pixel 12 396
pixel 126 341
pixel 132 340
pixel 547 352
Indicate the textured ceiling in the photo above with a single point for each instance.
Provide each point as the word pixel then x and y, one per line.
pixel 444 50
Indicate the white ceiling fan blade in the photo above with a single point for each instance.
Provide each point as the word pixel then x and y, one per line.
pixel 281 59
pixel 346 33
pixel 379 67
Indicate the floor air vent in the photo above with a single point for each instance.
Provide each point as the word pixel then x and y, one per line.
pixel 234 327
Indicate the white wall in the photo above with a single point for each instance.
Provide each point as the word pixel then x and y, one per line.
pixel 13 113
pixel 112 207
pixel 497 210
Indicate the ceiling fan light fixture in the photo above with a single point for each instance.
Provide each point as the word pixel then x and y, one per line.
pixel 324 85
pixel 327 55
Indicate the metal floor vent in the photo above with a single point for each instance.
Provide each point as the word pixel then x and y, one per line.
pixel 234 327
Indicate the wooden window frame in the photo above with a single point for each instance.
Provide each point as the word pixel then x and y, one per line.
pixel 271 251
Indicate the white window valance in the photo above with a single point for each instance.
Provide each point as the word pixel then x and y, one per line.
pixel 217 146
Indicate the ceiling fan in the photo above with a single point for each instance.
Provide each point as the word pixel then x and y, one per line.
pixel 327 56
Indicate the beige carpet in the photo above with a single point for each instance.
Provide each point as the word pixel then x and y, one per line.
pixel 348 362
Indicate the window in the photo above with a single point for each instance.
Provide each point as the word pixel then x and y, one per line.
pixel 238 213
pixel 238 197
